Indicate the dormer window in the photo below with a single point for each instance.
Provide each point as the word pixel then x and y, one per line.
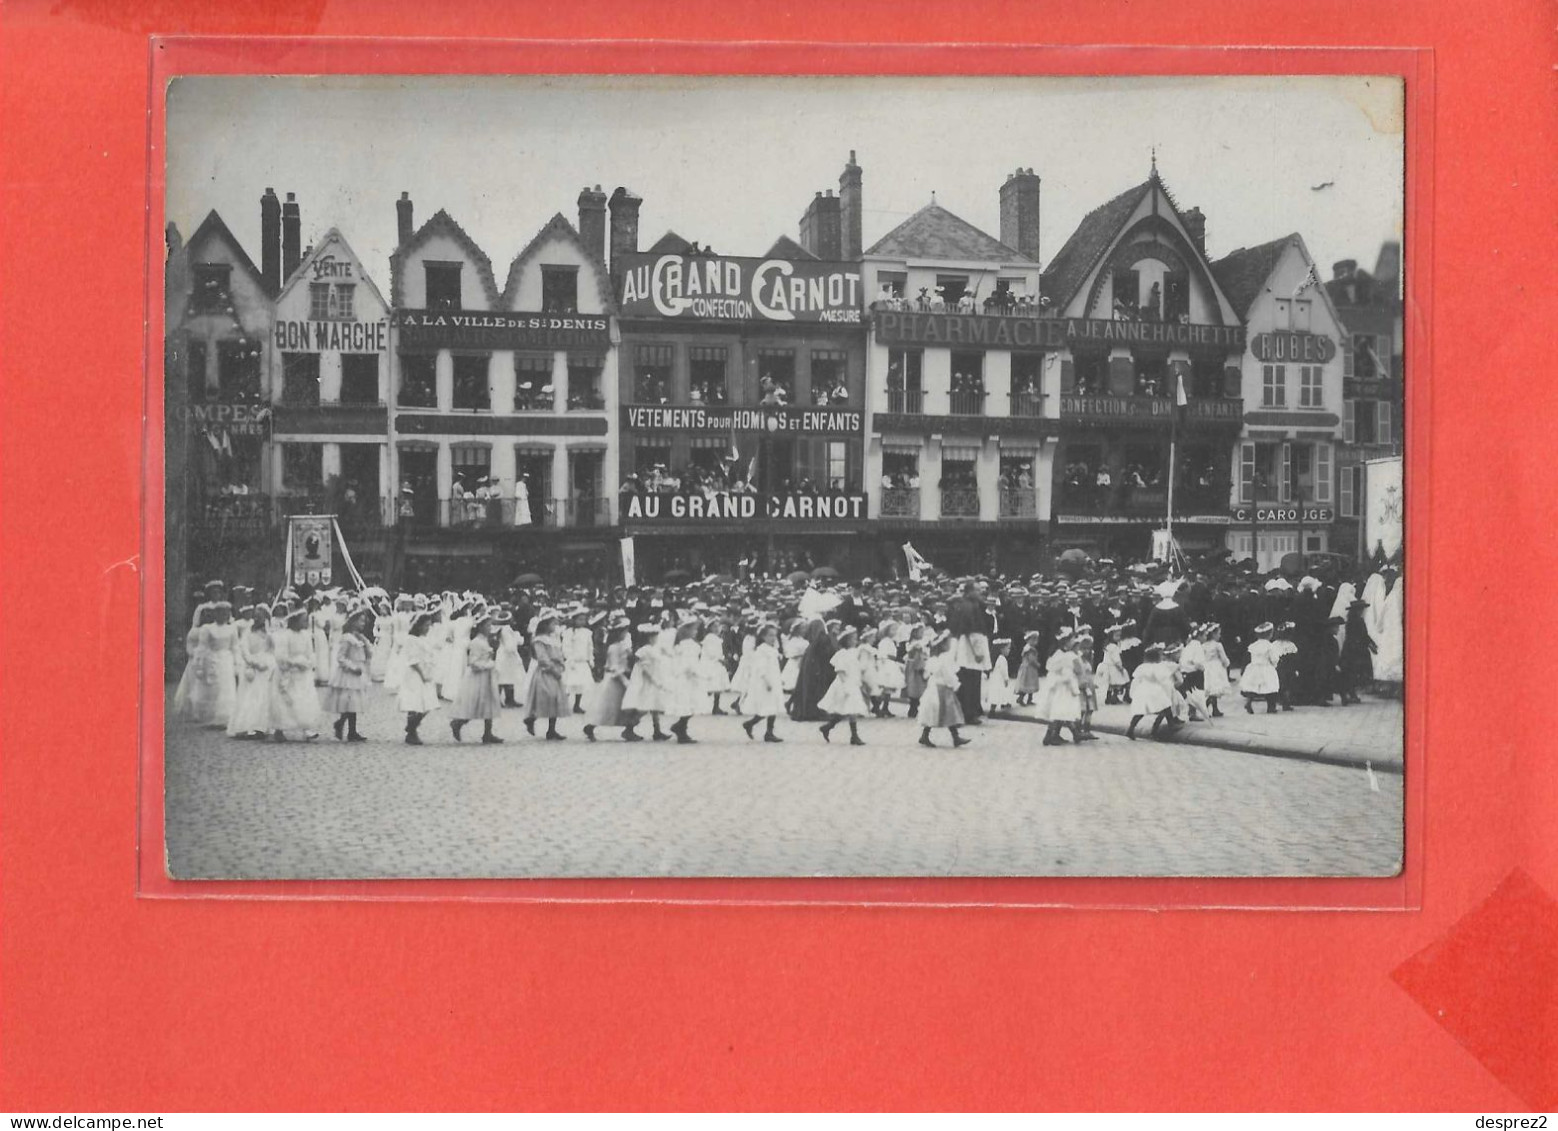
pixel 212 293
pixel 443 285
pixel 559 289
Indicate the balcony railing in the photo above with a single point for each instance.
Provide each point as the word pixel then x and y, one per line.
pixel 585 511
pixel 502 514
pixel 1126 501
pixel 1015 307
pixel 910 401
pixel 968 404
pixel 1027 404
pixel 1019 502
pixel 959 502
pixel 589 401
pixel 900 502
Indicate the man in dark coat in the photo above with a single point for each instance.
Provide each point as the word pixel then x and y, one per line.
pixel 815 675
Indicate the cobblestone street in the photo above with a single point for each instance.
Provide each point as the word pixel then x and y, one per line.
pixel 1003 805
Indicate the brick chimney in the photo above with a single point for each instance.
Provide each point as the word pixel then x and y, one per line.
pixel 291 237
pixel 403 223
pixel 270 240
pixel 1195 224
pixel 1020 213
pixel 592 221
pixel 851 205
pixel 821 232
pixel 624 205
pixel 1344 268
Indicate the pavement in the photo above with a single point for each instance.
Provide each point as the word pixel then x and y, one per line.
pixel 1367 735
pixel 1002 806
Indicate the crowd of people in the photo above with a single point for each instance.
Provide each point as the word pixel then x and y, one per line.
pixel 796 649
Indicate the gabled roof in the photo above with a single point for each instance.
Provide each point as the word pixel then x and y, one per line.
pixel 1243 273
pixel 557 228
pixel 786 248
pixel 670 244
pixel 1093 237
pixel 935 233
pixel 334 234
pixel 212 226
pixel 441 223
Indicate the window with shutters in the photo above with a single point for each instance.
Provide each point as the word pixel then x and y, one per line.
pixel 1384 431
pixel 1349 500
pixel 1322 475
pixel 1365 364
pixel 1349 422
pixel 904 391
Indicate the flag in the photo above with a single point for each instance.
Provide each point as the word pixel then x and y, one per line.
pixel 917 564
pixel 1180 400
pixel 1312 279
pixel 752 471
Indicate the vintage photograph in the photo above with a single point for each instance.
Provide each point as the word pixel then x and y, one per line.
pixel 630 476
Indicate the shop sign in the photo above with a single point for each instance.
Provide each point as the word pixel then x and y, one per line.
pixel 298 336
pixel 778 420
pixel 433 329
pixel 720 288
pixel 1293 346
pixel 749 507
pixel 1006 332
pixel 1147 408
pixel 1281 515
pixel 235 419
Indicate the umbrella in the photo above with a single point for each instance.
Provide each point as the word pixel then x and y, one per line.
pixel 677 575
pixel 1277 583
pixel 720 579
pixel 525 579
pixel 798 576
pixel 1074 555
pixel 823 571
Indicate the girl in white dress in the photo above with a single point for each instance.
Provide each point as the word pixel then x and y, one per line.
pixel 686 693
pixel 1111 675
pixel 511 665
pixel 214 695
pixel 998 680
pixel 1390 659
pixel 740 680
pixel 578 659
pixel 647 690
pixel 939 702
pixel 765 694
pixel 194 665
pixel 294 701
pixel 256 671
pixel 417 695
pixel 1259 679
pixel 451 660
pixel 845 697
pixel 400 627
pixel 712 676
pixel 887 673
pixel 1152 693
pixel 1217 683
pixel 521 501
pixel 321 624
pixel 1060 696
pixel 792 652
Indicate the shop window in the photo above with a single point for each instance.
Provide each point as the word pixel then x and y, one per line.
pixel 559 289
pixel 533 383
pixel 418 381
pixel 1127 294
pixel 707 380
pixel 829 384
pixel 1273 386
pixel 776 376
pixel 652 374
pixel 359 378
pixel 302 467
pixel 443 285
pixel 471 390
pixel 195 369
pixel 1176 297
pixel 1310 394
pixel 212 293
pixel 950 289
pixel 300 378
pixel 584 388
pixel 904 391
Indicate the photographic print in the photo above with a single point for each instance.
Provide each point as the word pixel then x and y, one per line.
pixel 629 476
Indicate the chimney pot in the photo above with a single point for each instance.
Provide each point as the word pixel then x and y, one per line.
pixel 1020 213
pixel 850 209
pixel 291 237
pixel 404 228
pixel 270 240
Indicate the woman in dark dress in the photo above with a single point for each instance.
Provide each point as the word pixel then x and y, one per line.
pixel 1358 648
pixel 815 675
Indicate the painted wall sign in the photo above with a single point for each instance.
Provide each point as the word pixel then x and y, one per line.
pixel 433 329
pixel 736 508
pixel 722 288
pixel 293 336
pixel 1147 408
pixel 1293 346
pixel 999 332
pixel 786 420
pixel 1281 514
pixel 330 267
pixel 235 419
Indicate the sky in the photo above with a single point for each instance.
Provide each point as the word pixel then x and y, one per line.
pixel 732 162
